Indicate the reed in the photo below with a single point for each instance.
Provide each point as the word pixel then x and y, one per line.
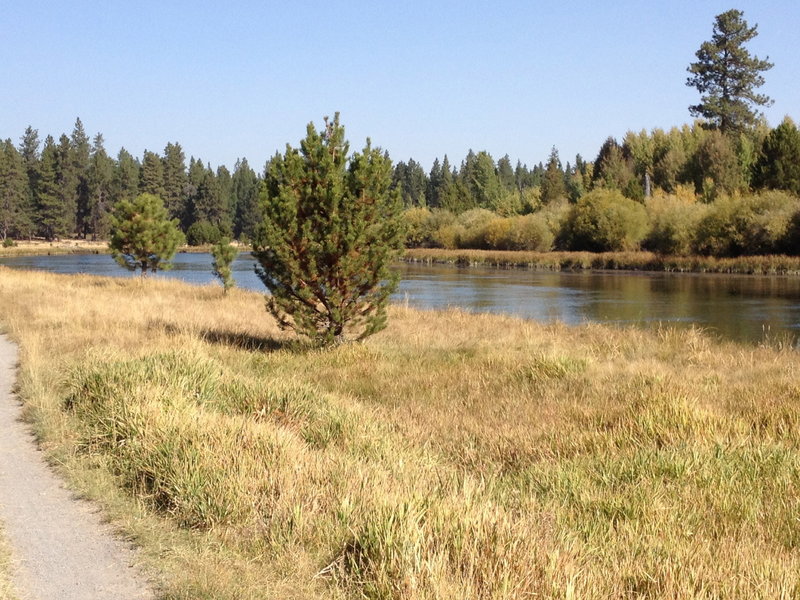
pixel 450 456
pixel 628 261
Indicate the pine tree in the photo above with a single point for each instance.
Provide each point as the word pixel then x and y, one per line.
pixel 29 151
pixel 332 227
pixel 223 255
pixel 80 151
pixel 100 183
pixel 68 181
pixel 151 175
pixel 50 211
pixel 727 76
pixel 175 181
pixel 245 192
pixel 142 235
pixel 14 213
pixel 778 167
pixel 126 177
pixel 553 187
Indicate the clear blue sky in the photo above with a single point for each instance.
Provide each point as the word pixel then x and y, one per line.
pixel 422 79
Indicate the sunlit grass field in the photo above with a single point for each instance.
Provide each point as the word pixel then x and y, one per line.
pixel 450 456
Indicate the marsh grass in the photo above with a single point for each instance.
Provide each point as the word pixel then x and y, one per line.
pixel 450 456
pixel 628 261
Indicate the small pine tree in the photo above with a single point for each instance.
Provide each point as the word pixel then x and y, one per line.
pixel 223 254
pixel 142 236
pixel 332 227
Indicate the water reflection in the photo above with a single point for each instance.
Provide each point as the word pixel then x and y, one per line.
pixel 733 306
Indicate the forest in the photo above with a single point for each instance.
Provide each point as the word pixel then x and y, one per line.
pixel 688 190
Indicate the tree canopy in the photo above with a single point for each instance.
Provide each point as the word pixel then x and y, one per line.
pixel 142 236
pixel 331 229
pixel 727 76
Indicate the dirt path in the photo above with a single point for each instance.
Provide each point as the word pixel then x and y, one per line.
pixel 61 550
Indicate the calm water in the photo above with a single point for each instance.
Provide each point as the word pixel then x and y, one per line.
pixel 744 308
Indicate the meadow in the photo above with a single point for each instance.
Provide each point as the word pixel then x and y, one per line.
pixel 449 456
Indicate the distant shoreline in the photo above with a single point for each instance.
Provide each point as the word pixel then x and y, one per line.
pixel 604 261
pixel 537 261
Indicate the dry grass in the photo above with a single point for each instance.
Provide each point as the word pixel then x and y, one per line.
pixel 6 590
pixel 42 247
pixel 450 456
pixel 629 261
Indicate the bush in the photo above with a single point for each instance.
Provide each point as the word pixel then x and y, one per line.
pixel 605 221
pixel 201 233
pixel 418 227
pixel 673 223
pixel 739 225
pixel 9 243
pixel 530 232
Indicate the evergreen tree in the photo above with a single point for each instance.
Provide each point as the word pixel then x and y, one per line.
pixel 245 192
pixel 175 181
pixel 332 227
pixel 151 175
pixel 716 166
pixel 412 182
pixel 223 255
pixel 505 173
pixel 15 217
pixel 727 76
pixel 67 190
pixel 482 181
pixel 29 151
pixel 100 188
pixel 80 151
pixel 434 184
pixel 226 200
pixel 553 187
pixel 142 236
pixel 126 177
pixel 778 166
pixel 51 220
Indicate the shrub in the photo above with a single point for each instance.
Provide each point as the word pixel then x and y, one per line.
pixel 739 225
pixel 418 226
pixel 605 221
pixel 673 223
pixel 201 233
pixel 530 232
pixel 9 243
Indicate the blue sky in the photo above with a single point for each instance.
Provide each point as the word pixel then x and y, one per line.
pixel 422 79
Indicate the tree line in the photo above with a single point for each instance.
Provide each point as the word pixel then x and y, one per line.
pixel 69 188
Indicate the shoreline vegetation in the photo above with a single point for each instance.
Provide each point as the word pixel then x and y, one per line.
pixel 589 261
pixel 505 259
pixel 449 456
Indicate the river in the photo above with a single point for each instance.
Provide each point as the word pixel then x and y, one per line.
pixel 738 307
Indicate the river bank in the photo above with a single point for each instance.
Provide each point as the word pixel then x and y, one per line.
pixel 451 455
pixel 588 261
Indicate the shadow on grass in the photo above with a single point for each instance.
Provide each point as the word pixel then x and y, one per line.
pixel 246 341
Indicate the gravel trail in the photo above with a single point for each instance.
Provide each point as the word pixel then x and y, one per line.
pixel 60 548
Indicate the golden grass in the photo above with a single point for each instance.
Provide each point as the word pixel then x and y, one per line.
pixel 42 247
pixel 6 589
pixel 450 456
pixel 630 261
